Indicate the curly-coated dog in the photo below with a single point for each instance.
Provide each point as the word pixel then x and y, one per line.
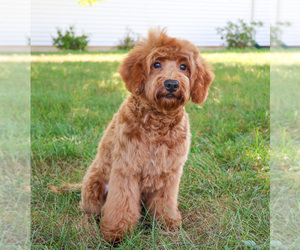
pixel 142 152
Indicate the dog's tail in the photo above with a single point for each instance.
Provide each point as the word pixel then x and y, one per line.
pixel 66 187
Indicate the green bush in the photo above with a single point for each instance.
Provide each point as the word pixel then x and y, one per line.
pixel 129 40
pixel 69 41
pixel 276 33
pixel 239 35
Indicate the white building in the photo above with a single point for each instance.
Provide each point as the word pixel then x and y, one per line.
pixel 106 21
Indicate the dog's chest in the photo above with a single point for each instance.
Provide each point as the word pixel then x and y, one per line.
pixel 165 155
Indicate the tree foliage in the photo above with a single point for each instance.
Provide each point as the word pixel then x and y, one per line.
pixel 89 2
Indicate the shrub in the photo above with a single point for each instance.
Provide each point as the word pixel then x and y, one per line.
pixel 129 39
pixel 68 40
pixel 239 35
pixel 276 33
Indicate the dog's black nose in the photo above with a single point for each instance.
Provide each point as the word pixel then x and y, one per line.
pixel 171 85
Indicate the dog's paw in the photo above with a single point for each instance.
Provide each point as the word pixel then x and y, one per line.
pixel 171 222
pixel 114 233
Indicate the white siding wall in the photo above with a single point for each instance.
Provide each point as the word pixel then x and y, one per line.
pixel 14 22
pixel 106 21
pixel 262 13
pixel 289 10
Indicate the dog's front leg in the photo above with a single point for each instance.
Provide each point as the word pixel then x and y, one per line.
pixel 121 211
pixel 162 204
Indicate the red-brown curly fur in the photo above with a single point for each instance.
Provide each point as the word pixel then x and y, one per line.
pixel 143 150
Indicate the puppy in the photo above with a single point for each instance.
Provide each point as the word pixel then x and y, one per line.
pixel 143 150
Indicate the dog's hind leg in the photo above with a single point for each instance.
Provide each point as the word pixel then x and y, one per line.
pixel 95 182
pixel 94 188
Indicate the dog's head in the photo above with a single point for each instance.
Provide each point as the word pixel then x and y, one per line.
pixel 166 71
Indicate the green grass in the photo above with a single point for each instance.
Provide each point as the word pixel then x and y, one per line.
pixel 14 153
pixel 285 149
pixel 224 190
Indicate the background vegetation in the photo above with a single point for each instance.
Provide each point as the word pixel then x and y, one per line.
pixel 69 41
pixel 224 190
pixel 239 35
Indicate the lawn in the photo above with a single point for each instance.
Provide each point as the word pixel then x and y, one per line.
pixel 285 149
pixel 224 190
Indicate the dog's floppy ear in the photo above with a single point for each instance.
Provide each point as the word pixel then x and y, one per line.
pixel 202 76
pixel 132 71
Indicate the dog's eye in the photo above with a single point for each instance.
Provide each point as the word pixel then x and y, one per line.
pixel 157 65
pixel 183 67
